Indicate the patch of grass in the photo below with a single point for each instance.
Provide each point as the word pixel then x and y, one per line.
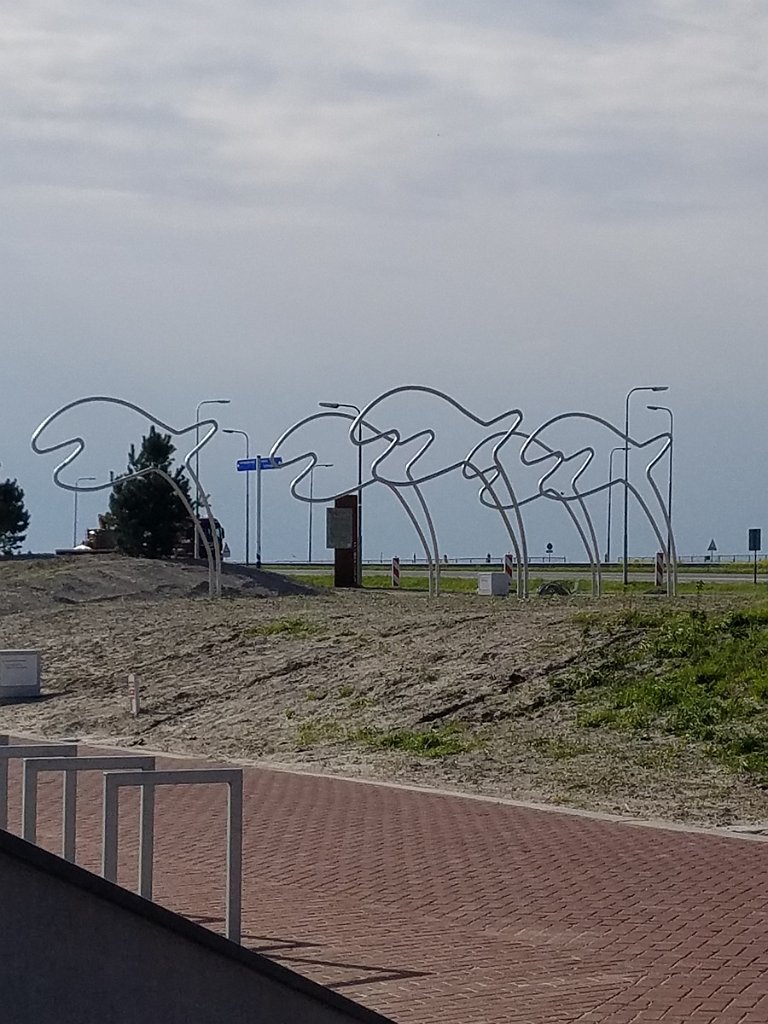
pixel 319 580
pixel 314 732
pixel 442 741
pixel 285 627
pixel 347 690
pixel 380 581
pixel 698 674
pixel 559 748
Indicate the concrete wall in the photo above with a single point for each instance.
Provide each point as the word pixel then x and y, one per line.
pixel 75 949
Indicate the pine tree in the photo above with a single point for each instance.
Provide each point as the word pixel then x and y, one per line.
pixel 14 518
pixel 148 515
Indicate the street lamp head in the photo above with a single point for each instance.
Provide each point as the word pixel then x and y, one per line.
pixel 229 430
pixel 660 387
pixel 329 405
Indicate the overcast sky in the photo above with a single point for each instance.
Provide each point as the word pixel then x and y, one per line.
pixel 535 205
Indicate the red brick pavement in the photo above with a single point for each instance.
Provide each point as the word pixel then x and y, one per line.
pixel 433 908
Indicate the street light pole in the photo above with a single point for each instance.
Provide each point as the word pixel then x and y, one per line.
pixel 205 401
pixel 666 409
pixel 74 524
pixel 349 405
pixel 247 476
pixel 319 465
pixel 657 387
pixel 620 448
pixel 258 511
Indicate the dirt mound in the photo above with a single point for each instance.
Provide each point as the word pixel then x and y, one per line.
pixel 31 585
pixel 460 692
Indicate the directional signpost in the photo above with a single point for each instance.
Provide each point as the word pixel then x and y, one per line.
pixel 755 545
pixel 257 465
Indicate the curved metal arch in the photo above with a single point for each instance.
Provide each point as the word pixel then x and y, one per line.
pixel 213 552
pixel 397 440
pixel 429 391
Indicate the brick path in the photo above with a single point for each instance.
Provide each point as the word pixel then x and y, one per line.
pixel 433 909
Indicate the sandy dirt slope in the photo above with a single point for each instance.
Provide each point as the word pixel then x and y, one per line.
pixel 321 681
pixel 31 585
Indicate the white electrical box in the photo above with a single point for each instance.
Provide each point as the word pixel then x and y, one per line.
pixel 19 674
pixel 493 584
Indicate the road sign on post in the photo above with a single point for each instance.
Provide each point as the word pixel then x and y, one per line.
pixel 257 466
pixel 712 548
pixel 260 463
pixel 755 544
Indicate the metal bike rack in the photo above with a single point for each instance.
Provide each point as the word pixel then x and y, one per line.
pixel 70 766
pixel 147 781
pixel 26 750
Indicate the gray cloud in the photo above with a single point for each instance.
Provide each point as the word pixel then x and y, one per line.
pixel 559 198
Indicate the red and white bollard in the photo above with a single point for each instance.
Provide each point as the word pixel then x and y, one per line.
pixel 510 566
pixel 659 568
pixel 396 573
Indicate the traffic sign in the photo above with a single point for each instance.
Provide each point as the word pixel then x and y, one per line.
pixel 262 462
pixel 712 545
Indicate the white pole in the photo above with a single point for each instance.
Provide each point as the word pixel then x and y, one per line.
pixel 258 511
pixel 244 433
pixel 311 497
pixel 74 524
pixel 205 401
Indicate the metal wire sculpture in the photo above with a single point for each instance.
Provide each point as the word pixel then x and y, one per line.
pixel 312 458
pixel 401 467
pixel 212 548
pixel 583 458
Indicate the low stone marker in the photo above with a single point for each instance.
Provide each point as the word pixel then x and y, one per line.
pixel 19 674
pixel 493 584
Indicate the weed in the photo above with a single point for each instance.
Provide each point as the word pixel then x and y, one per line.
pixel 558 748
pixel 317 731
pixel 346 690
pixel 438 742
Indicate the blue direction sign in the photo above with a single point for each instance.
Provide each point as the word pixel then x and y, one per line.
pixel 262 462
